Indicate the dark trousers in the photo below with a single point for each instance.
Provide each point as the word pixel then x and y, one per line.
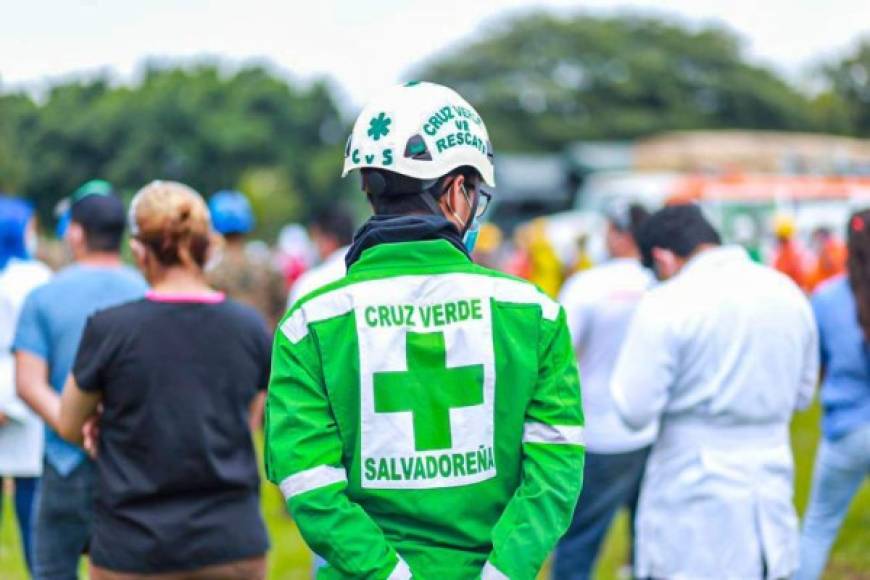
pixel 62 526
pixel 610 482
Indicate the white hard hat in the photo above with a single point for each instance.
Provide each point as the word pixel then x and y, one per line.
pixel 420 130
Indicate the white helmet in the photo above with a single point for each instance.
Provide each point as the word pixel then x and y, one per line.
pixel 420 130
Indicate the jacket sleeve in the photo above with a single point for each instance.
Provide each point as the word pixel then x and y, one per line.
pixel 811 359
pixel 552 470
pixel 646 365
pixel 304 458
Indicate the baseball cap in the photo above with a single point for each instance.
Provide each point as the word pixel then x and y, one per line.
pixel 94 206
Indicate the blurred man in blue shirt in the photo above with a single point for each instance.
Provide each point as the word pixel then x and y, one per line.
pixel 46 341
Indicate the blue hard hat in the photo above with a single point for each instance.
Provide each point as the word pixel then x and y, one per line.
pixel 231 212
pixel 14 216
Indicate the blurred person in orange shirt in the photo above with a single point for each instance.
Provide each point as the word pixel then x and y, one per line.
pixel 831 257
pixel 788 257
pixel 519 262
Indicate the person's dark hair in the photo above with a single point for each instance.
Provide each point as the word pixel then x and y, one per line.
pixel 858 266
pixel 336 221
pixel 395 194
pixel 637 217
pixel 103 220
pixel 678 228
pixel 629 219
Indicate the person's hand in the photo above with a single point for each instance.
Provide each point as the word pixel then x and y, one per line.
pixel 91 433
pixel 4 419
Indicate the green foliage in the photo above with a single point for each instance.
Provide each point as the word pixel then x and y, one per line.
pixel 194 125
pixel 273 196
pixel 542 81
pixel 846 101
pixel 17 117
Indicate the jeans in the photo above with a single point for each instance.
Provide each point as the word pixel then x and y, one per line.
pixel 841 467
pixel 64 513
pixel 610 481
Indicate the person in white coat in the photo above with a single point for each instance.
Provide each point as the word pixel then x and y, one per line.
pixel 720 355
pixel 21 430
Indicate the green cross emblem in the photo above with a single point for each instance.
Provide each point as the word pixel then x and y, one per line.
pixel 379 126
pixel 428 389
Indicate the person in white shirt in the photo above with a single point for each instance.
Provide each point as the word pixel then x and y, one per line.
pixel 599 304
pixel 331 231
pixel 720 355
pixel 21 430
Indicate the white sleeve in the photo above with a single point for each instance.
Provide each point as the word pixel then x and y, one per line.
pixel 10 404
pixel 809 378
pixel 646 366
pixel 577 310
pixel 299 289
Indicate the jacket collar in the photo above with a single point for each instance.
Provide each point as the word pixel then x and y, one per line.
pixel 389 230
pixel 421 255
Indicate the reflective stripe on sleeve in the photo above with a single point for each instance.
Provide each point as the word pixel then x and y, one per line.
pixel 401 571
pixel 508 290
pixel 313 478
pixel 557 434
pixel 490 572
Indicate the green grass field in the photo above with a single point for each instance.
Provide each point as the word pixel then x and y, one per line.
pixel 291 560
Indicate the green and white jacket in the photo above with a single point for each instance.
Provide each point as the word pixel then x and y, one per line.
pixel 424 418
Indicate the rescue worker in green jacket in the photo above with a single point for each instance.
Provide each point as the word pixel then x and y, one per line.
pixel 424 413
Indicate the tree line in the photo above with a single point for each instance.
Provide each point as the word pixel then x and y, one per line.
pixel 540 80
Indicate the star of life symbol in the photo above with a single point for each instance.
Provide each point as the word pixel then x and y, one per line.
pixel 379 126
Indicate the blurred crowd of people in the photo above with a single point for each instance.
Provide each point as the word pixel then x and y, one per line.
pixel 660 362
pixel 531 254
pixel 690 383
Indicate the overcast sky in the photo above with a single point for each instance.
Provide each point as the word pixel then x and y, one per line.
pixel 364 45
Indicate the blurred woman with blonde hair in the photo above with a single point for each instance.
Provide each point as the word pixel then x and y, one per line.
pixel 175 376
